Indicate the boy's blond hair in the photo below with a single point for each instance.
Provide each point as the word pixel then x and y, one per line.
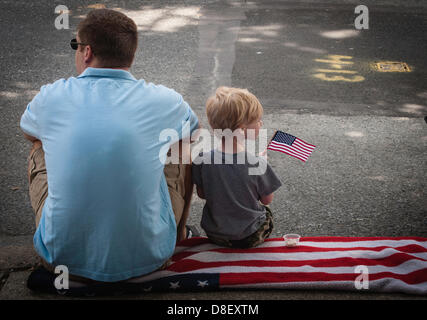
pixel 232 108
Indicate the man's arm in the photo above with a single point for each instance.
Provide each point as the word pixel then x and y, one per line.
pixel 30 138
pixel 29 122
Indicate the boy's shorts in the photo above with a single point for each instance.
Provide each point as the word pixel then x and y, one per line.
pixel 254 239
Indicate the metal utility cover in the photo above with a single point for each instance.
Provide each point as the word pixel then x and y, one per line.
pixel 392 66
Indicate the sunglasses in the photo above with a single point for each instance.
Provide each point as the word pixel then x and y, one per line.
pixel 74 44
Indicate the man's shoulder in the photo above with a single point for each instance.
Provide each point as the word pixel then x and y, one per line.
pixel 54 85
pixel 162 91
pixel 150 86
pixel 48 89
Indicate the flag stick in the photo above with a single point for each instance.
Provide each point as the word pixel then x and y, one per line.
pixel 263 153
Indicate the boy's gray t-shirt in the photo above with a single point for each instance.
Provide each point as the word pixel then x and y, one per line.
pixel 232 210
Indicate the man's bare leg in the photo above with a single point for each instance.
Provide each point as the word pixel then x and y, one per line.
pixel 37 179
pixel 180 185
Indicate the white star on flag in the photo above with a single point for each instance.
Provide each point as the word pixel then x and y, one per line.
pixel 202 283
pixel 174 285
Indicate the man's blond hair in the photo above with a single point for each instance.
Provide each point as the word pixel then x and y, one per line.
pixel 232 108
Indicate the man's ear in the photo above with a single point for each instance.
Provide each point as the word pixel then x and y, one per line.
pixel 88 54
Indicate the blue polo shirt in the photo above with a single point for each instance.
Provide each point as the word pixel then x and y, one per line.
pixel 108 214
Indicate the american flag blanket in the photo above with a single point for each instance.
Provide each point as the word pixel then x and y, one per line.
pixel 378 264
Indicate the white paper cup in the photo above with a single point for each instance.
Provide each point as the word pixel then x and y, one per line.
pixel 291 239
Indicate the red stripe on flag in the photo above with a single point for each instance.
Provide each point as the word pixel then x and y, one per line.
pixel 352 239
pixel 411 248
pixel 394 260
pixel 290 148
pixel 305 143
pixel 415 277
pixel 303 146
pixel 291 154
pixel 294 146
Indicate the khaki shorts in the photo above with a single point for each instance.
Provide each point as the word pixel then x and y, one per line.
pixel 37 177
pixel 38 188
pixel 254 239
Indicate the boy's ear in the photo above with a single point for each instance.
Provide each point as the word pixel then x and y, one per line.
pixel 242 127
pixel 242 130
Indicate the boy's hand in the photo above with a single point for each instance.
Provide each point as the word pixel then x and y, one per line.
pixel 267 199
pixel 263 154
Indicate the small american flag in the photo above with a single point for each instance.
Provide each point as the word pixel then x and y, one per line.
pixel 291 145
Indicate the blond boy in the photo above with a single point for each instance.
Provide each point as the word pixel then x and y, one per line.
pixel 236 212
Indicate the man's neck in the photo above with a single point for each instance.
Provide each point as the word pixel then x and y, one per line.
pixel 121 68
pixel 95 64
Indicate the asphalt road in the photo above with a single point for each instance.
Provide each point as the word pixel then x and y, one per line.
pixel 313 72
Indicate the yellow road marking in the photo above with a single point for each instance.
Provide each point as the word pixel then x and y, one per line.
pixel 336 71
pixel 391 66
pixel 323 76
pixel 336 60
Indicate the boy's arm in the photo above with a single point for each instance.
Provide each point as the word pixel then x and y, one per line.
pixel 197 176
pixel 267 184
pixel 267 199
pixel 200 192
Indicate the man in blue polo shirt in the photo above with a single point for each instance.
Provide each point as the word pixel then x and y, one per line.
pixel 97 182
